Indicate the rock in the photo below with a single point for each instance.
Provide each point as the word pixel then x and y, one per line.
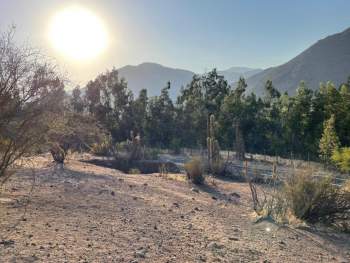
pixel 141 253
pixel 202 258
pixel 214 198
pixel 7 242
pixel 234 194
pixel 112 193
pixel 194 190
pixel 213 245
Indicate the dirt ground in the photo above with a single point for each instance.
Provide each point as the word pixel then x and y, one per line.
pixel 86 213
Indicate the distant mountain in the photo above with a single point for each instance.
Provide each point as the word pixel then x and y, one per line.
pixel 153 77
pixel 328 59
pixel 232 74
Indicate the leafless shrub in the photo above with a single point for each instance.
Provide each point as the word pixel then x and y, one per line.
pixel 30 89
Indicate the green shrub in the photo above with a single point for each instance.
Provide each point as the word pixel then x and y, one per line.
pixel 194 171
pixel 151 154
pixel 134 171
pixel 175 145
pixel 341 158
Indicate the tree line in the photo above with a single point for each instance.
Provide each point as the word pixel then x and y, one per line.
pixel 274 124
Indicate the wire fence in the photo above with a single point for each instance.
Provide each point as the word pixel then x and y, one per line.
pixel 261 166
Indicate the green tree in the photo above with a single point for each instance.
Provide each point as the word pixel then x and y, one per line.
pixel 76 100
pixel 159 128
pixel 329 141
pixel 341 158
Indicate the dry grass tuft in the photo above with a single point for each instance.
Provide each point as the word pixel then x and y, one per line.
pixel 194 171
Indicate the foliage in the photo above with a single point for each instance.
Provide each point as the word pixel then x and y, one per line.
pixel 134 171
pixel 329 141
pixel 160 127
pixel 275 124
pixel 131 149
pixel 341 158
pixel 75 132
pixel 151 153
pixel 31 92
pixel 316 200
pixel 104 148
pixel 194 171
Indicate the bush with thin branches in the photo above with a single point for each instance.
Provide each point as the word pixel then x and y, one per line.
pixel 30 92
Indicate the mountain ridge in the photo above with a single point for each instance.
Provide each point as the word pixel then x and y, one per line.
pixel 328 59
pixel 154 76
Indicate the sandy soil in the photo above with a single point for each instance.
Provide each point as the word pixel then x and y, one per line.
pixel 87 213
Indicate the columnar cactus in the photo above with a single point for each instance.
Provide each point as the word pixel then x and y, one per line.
pixel 212 144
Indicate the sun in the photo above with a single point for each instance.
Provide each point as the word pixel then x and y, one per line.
pixel 78 33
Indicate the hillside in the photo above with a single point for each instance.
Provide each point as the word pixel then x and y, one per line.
pixel 328 59
pixel 233 74
pixel 153 77
pixel 87 213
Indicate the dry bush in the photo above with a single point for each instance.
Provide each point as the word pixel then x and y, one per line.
pixel 194 171
pixel 74 132
pixel 132 149
pixel 303 197
pixel 314 199
pixel 58 153
pixel 30 94
pixel 346 186
pixel 134 171
pixel 104 148
pixel 218 167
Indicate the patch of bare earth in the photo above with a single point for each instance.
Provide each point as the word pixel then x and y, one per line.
pixel 87 213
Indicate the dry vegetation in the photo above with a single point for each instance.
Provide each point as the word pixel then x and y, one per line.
pixel 78 211
pixel 87 213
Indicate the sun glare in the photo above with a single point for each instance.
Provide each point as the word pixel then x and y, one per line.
pixel 77 33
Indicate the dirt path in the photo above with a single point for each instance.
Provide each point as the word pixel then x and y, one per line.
pixel 94 214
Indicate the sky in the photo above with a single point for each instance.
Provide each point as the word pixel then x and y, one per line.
pixel 197 35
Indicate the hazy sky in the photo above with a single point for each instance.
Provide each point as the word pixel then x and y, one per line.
pixel 191 34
